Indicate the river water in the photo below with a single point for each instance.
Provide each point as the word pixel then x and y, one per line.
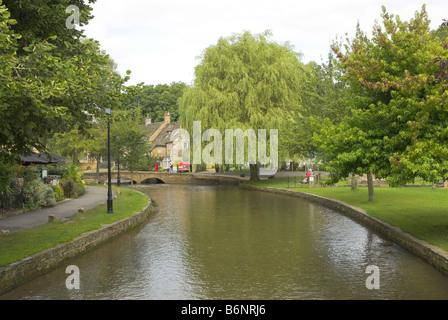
pixel 221 242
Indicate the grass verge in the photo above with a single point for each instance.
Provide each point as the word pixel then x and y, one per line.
pixel 421 212
pixel 18 245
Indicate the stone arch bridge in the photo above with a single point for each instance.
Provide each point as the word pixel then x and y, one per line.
pixel 143 177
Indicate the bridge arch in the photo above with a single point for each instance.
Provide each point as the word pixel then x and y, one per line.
pixel 152 180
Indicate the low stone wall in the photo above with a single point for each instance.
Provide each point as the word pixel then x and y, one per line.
pixel 169 178
pixel 40 263
pixel 213 180
pixel 434 255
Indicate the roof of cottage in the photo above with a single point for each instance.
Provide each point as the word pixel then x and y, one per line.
pixel 164 137
pixel 152 128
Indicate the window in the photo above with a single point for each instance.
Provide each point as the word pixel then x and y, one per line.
pixel 159 150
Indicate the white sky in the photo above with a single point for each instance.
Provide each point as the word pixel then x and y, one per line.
pixel 159 41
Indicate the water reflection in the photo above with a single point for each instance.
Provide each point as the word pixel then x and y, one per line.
pixel 225 243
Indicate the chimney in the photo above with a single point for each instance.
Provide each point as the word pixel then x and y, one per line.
pixel 167 117
pixel 147 121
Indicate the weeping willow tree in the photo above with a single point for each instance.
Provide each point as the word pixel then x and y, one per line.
pixel 245 82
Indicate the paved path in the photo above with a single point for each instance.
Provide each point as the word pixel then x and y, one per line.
pixel 93 197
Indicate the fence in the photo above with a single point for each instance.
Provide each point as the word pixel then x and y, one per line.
pixel 11 201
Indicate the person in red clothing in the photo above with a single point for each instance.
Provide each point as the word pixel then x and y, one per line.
pixel 308 175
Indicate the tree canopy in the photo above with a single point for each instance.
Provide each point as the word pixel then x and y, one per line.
pixel 53 79
pixel 245 82
pixel 155 100
pixel 397 128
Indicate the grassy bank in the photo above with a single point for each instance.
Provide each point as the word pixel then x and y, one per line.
pixel 421 212
pixel 18 245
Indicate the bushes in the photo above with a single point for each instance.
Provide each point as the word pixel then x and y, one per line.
pixel 71 188
pixel 74 173
pixel 68 186
pixel 50 199
pixel 80 189
pixel 35 194
pixel 72 182
pixel 58 193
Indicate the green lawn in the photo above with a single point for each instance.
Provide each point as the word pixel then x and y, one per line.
pixel 18 245
pixel 422 212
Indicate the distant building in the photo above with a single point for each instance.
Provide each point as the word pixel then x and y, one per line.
pixel 164 145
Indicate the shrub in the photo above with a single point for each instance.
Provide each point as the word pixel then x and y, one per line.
pixel 58 193
pixel 29 174
pixel 35 194
pixel 74 173
pixel 80 189
pixel 6 178
pixel 68 186
pixel 50 199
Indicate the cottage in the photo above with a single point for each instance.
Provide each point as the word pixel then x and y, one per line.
pixel 164 143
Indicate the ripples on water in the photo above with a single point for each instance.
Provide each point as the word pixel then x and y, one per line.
pixel 226 243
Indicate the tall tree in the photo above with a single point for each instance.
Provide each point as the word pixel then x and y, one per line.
pixel 69 144
pixel 128 139
pixel 245 82
pixel 397 129
pixel 154 101
pixel 55 80
pixel 323 98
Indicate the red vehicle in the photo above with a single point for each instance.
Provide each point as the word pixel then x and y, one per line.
pixel 184 167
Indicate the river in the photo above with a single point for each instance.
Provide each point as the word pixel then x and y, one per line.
pixel 222 242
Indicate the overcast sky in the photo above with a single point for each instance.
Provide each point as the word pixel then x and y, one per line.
pixel 159 41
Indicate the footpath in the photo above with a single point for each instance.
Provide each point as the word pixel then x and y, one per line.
pixel 93 197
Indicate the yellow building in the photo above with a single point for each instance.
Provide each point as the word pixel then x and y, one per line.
pixel 159 139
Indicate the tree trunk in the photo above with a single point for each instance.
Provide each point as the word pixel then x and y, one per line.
pixel 354 183
pixel 370 186
pixel 132 181
pixel 75 158
pixel 254 172
pixel 98 169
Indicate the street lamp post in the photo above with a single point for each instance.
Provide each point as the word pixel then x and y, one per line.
pixel 110 206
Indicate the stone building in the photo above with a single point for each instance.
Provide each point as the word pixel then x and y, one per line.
pixel 165 145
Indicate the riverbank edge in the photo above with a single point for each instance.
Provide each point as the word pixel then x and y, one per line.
pixel 38 264
pixel 434 255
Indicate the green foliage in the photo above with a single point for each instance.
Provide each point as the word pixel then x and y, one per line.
pixel 128 140
pixel 245 82
pixel 74 173
pixel 35 194
pixel 147 163
pixel 6 177
pixel 28 174
pixel 68 185
pixel 18 245
pixel 58 193
pixel 80 189
pixel 69 144
pixel 153 101
pixel 72 182
pixel 323 100
pixel 50 198
pixel 441 33
pixel 397 128
pixel 52 78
